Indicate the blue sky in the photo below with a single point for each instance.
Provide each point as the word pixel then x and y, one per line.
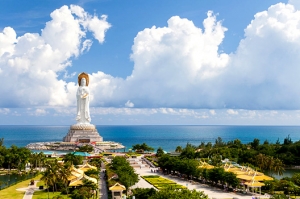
pixel 151 62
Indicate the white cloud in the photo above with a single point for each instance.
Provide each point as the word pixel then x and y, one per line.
pixel 264 71
pixel 273 113
pixel 176 68
pixel 4 111
pixel 129 104
pixel 30 63
pixel 35 112
pixel 67 75
pixel 86 45
pixel 180 65
pixel 295 3
pixel 170 65
pixel 212 112
pixel 7 40
pixel 92 23
pixel 252 114
pixel 232 112
pixel 261 74
pixel 39 112
pixel 122 111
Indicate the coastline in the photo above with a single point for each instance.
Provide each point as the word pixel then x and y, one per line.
pixel 72 146
pixel 166 136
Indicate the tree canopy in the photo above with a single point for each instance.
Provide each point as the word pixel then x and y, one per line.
pixel 142 147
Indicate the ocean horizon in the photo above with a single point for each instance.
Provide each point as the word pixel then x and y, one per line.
pixel 166 136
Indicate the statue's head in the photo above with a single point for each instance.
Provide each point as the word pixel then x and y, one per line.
pixel 84 76
pixel 83 82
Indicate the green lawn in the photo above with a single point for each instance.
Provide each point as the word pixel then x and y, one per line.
pixel 44 195
pixel 11 192
pixel 162 183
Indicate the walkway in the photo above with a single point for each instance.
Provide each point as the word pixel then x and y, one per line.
pixel 29 190
pixel 142 184
pixel 102 184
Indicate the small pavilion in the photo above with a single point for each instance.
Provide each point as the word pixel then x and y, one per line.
pixel 249 177
pixel 252 179
pixel 117 190
pixel 254 184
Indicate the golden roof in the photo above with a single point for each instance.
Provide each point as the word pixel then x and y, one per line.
pixel 245 177
pixel 254 177
pixel 87 166
pixel 94 180
pixel 117 187
pixel 205 165
pixel 232 169
pixel 247 173
pixel 77 175
pixel 71 177
pixel 76 183
pixel 262 178
pixel 238 172
pixel 254 184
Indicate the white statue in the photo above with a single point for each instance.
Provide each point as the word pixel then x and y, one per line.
pixel 83 98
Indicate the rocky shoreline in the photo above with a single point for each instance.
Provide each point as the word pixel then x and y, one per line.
pixel 72 146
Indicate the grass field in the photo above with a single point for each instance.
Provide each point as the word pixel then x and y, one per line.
pixel 12 193
pixel 162 183
pixel 44 195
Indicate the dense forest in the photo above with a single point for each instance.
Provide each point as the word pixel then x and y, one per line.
pixel 255 153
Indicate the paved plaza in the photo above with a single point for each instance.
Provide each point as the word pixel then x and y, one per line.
pixel 212 192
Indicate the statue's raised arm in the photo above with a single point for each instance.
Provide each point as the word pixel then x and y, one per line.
pixel 83 100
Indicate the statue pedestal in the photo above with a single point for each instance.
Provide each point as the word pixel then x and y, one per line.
pixel 83 133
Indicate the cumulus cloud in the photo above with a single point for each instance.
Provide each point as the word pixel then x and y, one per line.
pixel 180 65
pixel 176 66
pixel 264 71
pixel 170 65
pixel 30 63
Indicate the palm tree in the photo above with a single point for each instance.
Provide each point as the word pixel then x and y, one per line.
pixel 46 177
pixel 261 161
pixel 51 175
pixel 41 159
pixel 32 160
pixel 90 185
pixel 178 149
pixel 270 164
pixel 278 166
pixel 65 172
pixel 1 141
pixel 72 158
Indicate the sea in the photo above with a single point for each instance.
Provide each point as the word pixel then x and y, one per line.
pixel 167 137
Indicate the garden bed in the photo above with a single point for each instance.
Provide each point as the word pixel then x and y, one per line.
pixel 162 183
